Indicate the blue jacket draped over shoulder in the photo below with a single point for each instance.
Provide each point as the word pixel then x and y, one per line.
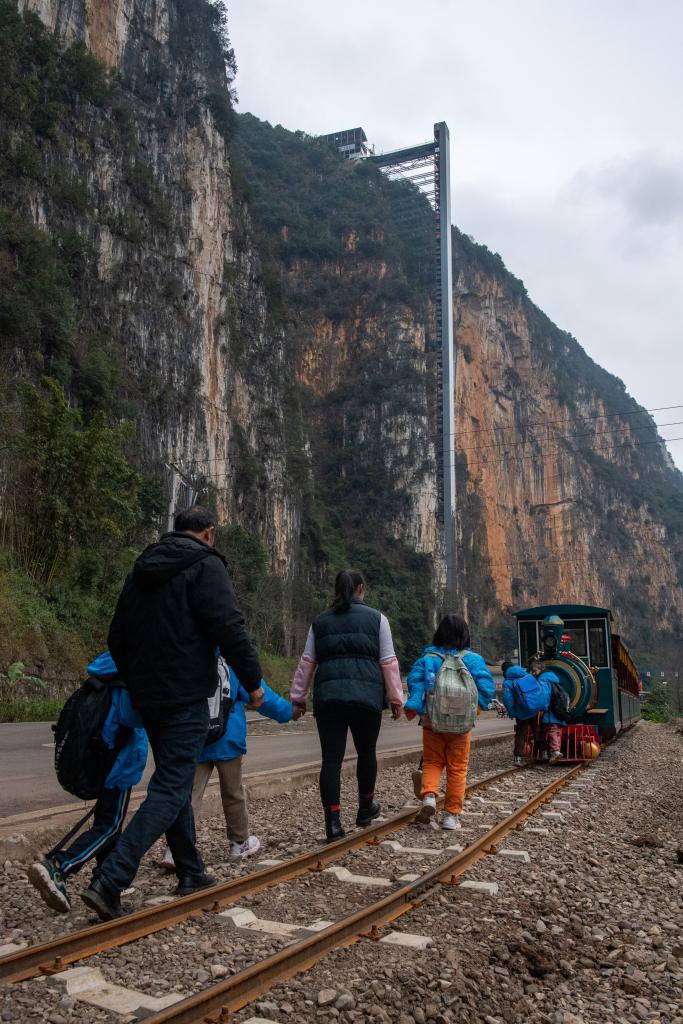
pixel 546 679
pixel 513 708
pixel 129 766
pixel 431 660
pixel 233 742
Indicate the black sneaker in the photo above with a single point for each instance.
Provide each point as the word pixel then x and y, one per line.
pixel 46 876
pixel 99 899
pixel 187 884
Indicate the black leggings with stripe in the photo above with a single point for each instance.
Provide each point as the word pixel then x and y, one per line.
pixel 334 720
pixel 98 840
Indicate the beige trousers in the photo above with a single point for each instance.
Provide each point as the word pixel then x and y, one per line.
pixel 233 797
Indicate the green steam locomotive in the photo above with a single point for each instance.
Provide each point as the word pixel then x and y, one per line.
pixel 594 667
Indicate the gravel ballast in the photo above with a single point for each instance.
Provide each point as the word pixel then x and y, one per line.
pixel 589 931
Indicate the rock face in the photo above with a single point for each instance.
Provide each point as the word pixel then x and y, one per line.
pixel 575 493
pixel 177 283
pixel 290 375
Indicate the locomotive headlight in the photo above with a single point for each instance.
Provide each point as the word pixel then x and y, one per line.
pixel 549 643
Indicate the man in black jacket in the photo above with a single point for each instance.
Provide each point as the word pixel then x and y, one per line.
pixel 176 609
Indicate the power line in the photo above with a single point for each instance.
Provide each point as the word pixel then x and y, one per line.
pixel 625 446
pixel 569 437
pixel 582 421
pixel 626 442
pixel 624 414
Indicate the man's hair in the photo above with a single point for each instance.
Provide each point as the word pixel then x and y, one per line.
pixel 194 519
pixel 505 666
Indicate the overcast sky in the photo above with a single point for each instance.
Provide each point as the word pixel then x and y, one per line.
pixel 566 123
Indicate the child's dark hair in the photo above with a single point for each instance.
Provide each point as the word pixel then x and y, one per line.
pixel 505 666
pixel 452 632
pixel 345 586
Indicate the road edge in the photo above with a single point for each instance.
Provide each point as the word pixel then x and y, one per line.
pixel 22 836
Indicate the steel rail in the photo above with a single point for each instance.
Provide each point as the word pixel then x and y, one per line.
pixel 56 954
pixel 217 1003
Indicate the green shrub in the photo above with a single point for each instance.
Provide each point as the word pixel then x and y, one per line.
pixel 35 710
pixel 658 706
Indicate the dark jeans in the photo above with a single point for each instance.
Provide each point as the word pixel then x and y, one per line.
pixel 176 736
pixel 521 727
pixel 333 721
pixel 98 840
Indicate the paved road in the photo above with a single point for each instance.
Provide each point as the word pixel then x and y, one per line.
pixel 29 784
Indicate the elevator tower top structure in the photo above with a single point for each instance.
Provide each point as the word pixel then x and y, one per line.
pixel 428 167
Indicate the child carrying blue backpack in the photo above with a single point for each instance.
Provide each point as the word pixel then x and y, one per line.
pixel 124 737
pixel 528 698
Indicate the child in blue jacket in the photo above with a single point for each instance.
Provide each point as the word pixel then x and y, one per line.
pixel 445 750
pixel 513 677
pixel 226 755
pixel 552 725
pixel 49 874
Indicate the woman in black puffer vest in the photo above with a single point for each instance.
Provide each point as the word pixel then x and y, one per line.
pixel 350 652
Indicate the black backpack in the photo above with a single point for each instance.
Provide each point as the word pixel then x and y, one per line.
pixel 82 758
pixel 559 702
pixel 220 705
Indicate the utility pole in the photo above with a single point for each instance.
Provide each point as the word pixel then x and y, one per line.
pixel 176 478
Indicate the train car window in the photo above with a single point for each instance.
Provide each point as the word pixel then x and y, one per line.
pixel 597 643
pixel 528 641
pixel 577 632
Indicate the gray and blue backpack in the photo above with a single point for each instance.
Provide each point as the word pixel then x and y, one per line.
pixel 452 703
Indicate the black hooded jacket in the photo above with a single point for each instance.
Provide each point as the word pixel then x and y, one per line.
pixel 176 607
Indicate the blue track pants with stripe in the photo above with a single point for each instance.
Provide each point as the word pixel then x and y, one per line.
pixel 98 840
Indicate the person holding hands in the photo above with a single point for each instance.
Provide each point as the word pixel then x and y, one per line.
pixel 349 657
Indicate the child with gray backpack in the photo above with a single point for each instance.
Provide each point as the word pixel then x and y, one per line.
pixel 447 685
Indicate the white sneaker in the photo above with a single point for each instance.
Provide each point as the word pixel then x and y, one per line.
pixel 428 809
pixel 450 821
pixel 556 755
pixel 166 862
pixel 240 851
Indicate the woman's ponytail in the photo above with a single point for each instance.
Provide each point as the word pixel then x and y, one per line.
pixel 345 587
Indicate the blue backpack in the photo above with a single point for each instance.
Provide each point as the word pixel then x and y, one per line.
pixel 529 695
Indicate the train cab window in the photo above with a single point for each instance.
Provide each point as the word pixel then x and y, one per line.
pixel 576 628
pixel 528 641
pixel 597 643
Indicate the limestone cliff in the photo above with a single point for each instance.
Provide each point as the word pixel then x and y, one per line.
pixel 175 281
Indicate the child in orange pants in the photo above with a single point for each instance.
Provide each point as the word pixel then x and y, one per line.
pixel 450 751
pixel 445 750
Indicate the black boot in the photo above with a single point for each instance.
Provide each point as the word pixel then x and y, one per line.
pixel 333 825
pixel 368 810
pixel 106 904
pixel 187 884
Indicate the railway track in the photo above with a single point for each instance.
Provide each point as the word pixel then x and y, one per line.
pixel 54 956
pixel 218 1002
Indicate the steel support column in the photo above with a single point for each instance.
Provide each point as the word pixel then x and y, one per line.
pixel 415 164
pixel 442 177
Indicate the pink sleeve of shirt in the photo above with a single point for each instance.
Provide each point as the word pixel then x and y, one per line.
pixel 302 680
pixel 393 687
